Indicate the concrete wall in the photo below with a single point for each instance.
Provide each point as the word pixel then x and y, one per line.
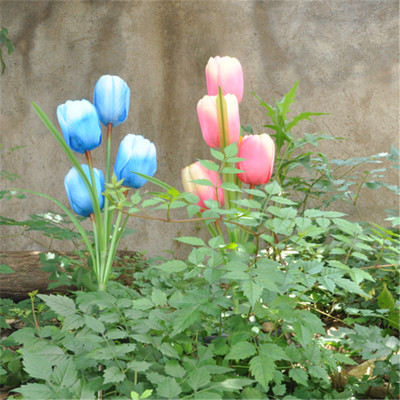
pixel 345 53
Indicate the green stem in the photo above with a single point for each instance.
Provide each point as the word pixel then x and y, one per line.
pixel 108 214
pixel 100 240
pixel 96 260
pixel 224 140
pixel 112 250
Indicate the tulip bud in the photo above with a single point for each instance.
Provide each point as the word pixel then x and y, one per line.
pixel 135 154
pixel 208 118
pixel 227 73
pixel 258 152
pixel 197 171
pixel 80 125
pixel 77 192
pixel 111 99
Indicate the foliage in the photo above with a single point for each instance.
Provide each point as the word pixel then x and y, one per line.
pixel 4 40
pixel 278 301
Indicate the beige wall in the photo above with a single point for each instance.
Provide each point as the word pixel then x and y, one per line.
pixel 345 53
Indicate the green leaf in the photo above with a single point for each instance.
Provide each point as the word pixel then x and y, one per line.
pixel 358 275
pixel 169 389
pixel 147 393
pixel 174 369
pixel 199 378
pixel 203 182
pixel 73 321
pixel 158 297
pixel 35 391
pixel 61 305
pixel 217 154
pixel 350 286
pixel 156 181
pixel 138 366
pixel 185 318
pixel 6 269
pixel 168 350
pixel 193 241
pixel 241 350
pixel 351 228
pixel 251 394
pixel 142 304
pixel 343 358
pixel 304 332
pixel 231 186
pixel 385 299
pixel 231 150
pixel 252 291
pixel 209 165
pixel 81 390
pixel 283 200
pixel 65 374
pixel 283 212
pixel 302 116
pixel 287 100
pixel 262 368
pixel 113 375
pixel 172 266
pixel 193 209
pixel 248 203
pixel 359 255
pixel 231 170
pixel 299 375
pixel 116 333
pixel 53 355
pixel 234 384
pixel 255 192
pixel 124 348
pixel 273 188
pixel 37 366
pixel 94 324
pixel 274 351
pixel 318 372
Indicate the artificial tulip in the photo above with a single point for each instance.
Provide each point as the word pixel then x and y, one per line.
pixel 227 73
pixel 80 125
pixel 198 171
pixel 77 192
pixel 258 152
pixel 111 99
pixel 207 113
pixel 135 154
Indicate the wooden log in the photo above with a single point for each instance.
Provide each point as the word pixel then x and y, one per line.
pixel 28 275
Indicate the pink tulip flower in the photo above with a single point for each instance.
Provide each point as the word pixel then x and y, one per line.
pixel 227 73
pixel 207 113
pixel 258 152
pixel 197 171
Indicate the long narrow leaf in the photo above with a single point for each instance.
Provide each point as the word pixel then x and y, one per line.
pixel 70 154
pixel 154 180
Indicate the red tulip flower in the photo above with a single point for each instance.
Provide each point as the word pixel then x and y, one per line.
pixel 197 171
pixel 207 113
pixel 258 152
pixel 227 73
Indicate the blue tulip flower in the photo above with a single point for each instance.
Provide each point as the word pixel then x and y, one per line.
pixel 135 154
pixel 111 99
pixel 80 125
pixel 77 192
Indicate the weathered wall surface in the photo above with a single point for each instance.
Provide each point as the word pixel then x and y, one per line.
pixel 345 53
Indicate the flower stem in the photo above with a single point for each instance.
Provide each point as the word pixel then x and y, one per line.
pixel 224 140
pixel 108 216
pixel 100 241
